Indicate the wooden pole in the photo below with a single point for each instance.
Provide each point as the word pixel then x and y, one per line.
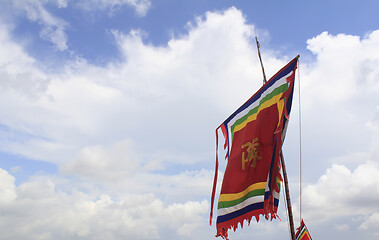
pixel 288 199
pixel 285 179
pixel 260 59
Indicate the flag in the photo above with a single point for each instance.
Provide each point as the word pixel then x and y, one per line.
pixel 302 232
pixel 254 134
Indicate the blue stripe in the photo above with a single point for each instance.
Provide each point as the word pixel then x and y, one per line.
pixel 272 165
pixel 227 138
pixel 301 229
pixel 242 211
pixel 249 208
pixel 267 195
pixel 276 200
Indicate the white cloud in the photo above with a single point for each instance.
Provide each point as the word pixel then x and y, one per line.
pixel 345 66
pixel 7 188
pixel 341 192
pixel 141 6
pixel 348 194
pixel 17 67
pixel 147 98
pixel 39 209
pixel 371 222
pixel 53 28
pixel 129 121
pixel 16 169
pixel 339 109
pixel 342 227
pixel 339 98
pixel 112 163
pixel 349 189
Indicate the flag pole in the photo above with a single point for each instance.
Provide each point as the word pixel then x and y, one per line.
pixel 260 59
pixel 288 199
pixel 285 179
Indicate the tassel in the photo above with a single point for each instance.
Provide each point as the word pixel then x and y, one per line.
pixel 214 181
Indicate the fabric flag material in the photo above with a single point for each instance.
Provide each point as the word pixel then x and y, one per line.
pixel 302 232
pixel 254 134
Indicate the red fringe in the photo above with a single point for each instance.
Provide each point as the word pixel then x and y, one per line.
pixel 222 228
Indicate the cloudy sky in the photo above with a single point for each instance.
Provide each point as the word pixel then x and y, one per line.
pixel 108 111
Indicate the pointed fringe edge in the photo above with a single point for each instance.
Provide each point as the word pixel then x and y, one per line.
pixel 223 228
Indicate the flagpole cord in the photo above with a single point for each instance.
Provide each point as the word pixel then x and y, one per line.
pixel 288 218
pixel 288 199
pixel 300 150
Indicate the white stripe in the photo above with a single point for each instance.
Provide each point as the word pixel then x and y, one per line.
pixel 247 202
pixel 275 194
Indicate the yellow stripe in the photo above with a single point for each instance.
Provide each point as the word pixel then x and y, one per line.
pixel 302 234
pixel 253 117
pixel 280 106
pixel 234 196
pixel 278 180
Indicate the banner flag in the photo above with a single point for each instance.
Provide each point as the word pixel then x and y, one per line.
pixel 254 135
pixel 302 232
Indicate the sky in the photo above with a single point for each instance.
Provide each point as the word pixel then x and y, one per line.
pixel 109 108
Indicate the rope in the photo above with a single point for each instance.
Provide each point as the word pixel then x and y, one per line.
pixel 300 152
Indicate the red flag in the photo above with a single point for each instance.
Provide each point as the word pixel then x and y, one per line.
pixel 253 139
pixel 302 232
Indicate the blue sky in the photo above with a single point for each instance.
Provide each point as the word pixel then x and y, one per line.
pixel 108 112
pixel 291 24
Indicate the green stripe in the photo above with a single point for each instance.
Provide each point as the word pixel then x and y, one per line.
pixel 276 91
pixel 250 194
